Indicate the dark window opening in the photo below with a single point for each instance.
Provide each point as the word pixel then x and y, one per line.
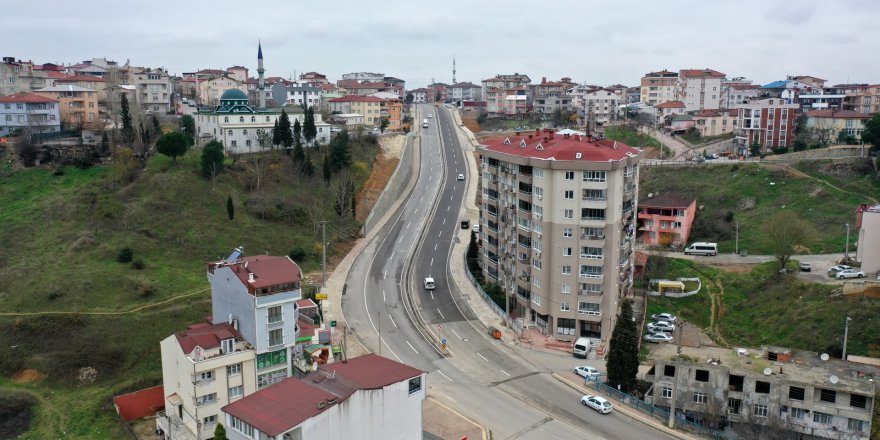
pixel 735 383
pixel 796 393
pixel 762 387
pixel 858 401
pixel 702 376
pixel 827 395
pixel 669 370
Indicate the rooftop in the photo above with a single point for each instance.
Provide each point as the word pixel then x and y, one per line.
pixel 701 73
pixel 357 98
pixel 671 104
pixel 26 98
pixel 545 146
pixel 846 114
pixel 64 88
pixel 267 270
pixel 668 200
pixel 206 336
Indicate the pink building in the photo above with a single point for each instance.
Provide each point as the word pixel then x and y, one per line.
pixel 666 219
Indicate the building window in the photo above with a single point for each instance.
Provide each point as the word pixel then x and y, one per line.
pixel 241 119
pixel 566 252
pixel 233 370
pixel 586 308
pixel 858 401
pixel 565 326
pixel 796 393
pixel 565 288
pixel 206 399
pixel 760 410
pixel 230 132
pixel 569 175
pixel 274 314
pixel 594 176
pixel 539 173
pixel 253 119
pixel 592 194
pixel 210 420
pixel 566 233
pixel 536 298
pixel 568 194
pixel 666 393
pixel 798 413
pixel 247 143
pixel 536 263
pixel 244 132
pixel 568 213
pixel 566 270
pixel 856 425
pixel 669 370
pixel 240 426
pixel 702 376
pixel 829 396
pixel 701 398
pixel 734 405
pixel 234 143
pixel 415 385
pixel 820 417
pixel 276 337
pixel 591 252
pixel 564 307
pixel 591 271
pixel 227 345
pixel 762 387
pixel 592 214
pixel 226 119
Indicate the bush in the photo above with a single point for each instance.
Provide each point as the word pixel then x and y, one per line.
pixel 54 295
pixel 298 254
pixel 138 264
pixel 125 255
pixel 146 290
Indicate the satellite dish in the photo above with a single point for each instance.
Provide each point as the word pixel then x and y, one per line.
pixel 767 371
pixel 833 379
pixel 650 195
pixel 315 366
pixel 824 356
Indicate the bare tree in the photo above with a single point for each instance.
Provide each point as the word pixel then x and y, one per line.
pixel 785 230
pixel 259 163
pixel 343 188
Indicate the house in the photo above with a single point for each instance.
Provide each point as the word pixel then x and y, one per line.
pixel 700 89
pixel 465 91
pixel 666 219
pixel 95 83
pixel 788 89
pixel 297 95
pixel 549 103
pixel 497 90
pixel 356 88
pixel 667 110
pixel 238 73
pixel 812 81
pixel 680 124
pixel 868 247
pixel 863 99
pixel 798 391
pixel 363 77
pixel 370 107
pixel 438 92
pixel 210 90
pixel 557 222
pixel 348 120
pixel 15 76
pixel 658 87
pixel 204 368
pixel 769 121
pixel 368 397
pixel 737 93
pixel 29 112
pixel 831 125
pixel 312 78
pixel 153 89
pixel 716 122
pixel 79 105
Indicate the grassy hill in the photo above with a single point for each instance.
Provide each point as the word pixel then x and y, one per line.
pixel 61 236
pixel 825 194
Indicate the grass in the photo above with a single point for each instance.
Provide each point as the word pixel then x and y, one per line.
pixel 719 188
pixel 633 138
pixel 695 138
pixel 61 237
pixel 492 124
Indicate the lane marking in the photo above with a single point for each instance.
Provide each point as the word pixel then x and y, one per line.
pixel 484 357
pixel 435 246
pixel 508 374
pixel 432 261
pixel 441 314
pixel 444 220
pixel 384 274
pixel 401 239
pixel 439 234
pixel 447 207
pixel 392 255
pixel 383 295
pixel 410 346
pixel 456 334
pixel 447 378
pixel 432 294
pixel 407 224
pixel 392 320
pixel 422 197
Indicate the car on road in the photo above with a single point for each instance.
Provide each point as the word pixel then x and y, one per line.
pixel 598 403
pixel 430 115
pixel 658 337
pixel 587 372
pixel 429 283
pixel 460 177
pixel 805 267
pixel 668 317
pixel 660 326
pixel 838 268
pixel 476 228
pixel 849 273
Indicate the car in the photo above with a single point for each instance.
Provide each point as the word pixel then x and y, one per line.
pixel 668 317
pixel 335 129
pixel 476 228
pixel 805 267
pixel 838 268
pixel 658 337
pixel 849 273
pixel 598 403
pixel 429 283
pixel 587 372
pixel 460 177
pixel 661 326
pixel 430 115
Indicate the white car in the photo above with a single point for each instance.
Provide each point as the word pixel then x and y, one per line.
pixel 430 115
pixel 587 372
pixel 429 283
pixel 598 403
pixel 838 268
pixel 849 273
pixel 660 326
pixel 476 228
pixel 668 317
pixel 658 337
pixel 461 177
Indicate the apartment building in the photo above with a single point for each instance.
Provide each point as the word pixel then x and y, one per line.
pixel 547 104
pixel 868 225
pixel 735 94
pixel 668 110
pixel 29 111
pixel 700 89
pixel 829 125
pixel 601 106
pixel 298 95
pixel 153 89
pixel 865 99
pixel 98 84
pixel 210 90
pixel 716 122
pixel 658 87
pixel 764 391
pixel 557 223
pixel 204 368
pixel 769 121
pixel 666 219
pixel 420 96
pixel 79 105
pixel 465 91
pixel 372 108
pixel 497 90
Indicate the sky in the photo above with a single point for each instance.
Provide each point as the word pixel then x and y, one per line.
pixel 593 42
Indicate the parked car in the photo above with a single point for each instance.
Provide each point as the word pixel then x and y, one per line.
pixel 805 267
pixel 668 317
pixel 849 273
pixel 587 372
pixel 838 268
pixel 598 403
pixel 660 326
pixel 658 337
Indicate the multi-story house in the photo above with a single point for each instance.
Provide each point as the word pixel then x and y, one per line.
pixel 668 110
pixel 298 95
pixel 396 86
pixel 812 81
pixel 79 105
pixel 601 106
pixel 420 96
pixel 364 76
pixel 153 89
pixel 438 92
pixel 210 90
pixel 830 125
pixel 549 103
pixel 29 111
pixel 868 225
pixel 765 393
pixel 204 368
pixel 768 121
pixel 738 91
pixel 557 225
pixel 658 87
pixel 313 78
pixel 465 91
pixel 356 88
pixel 788 89
pixel 548 88
pixel 238 73
pixel 716 122
pixel 368 397
pixel 368 106
pixel 863 99
pixel 700 89
pixel 98 84
pixel 497 90
pixel 666 219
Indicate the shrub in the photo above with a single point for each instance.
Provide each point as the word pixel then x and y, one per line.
pixel 298 254
pixel 138 264
pixel 125 255
pixel 54 295
pixel 146 290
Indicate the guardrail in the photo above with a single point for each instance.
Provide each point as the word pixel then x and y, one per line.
pixel 517 327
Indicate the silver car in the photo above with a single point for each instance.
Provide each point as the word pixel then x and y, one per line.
pixel 661 326
pixel 658 337
pixel 597 403
pixel 849 273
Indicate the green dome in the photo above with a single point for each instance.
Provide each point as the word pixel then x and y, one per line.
pixel 233 94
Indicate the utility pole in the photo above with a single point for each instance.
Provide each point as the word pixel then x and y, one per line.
pixel 845 334
pixel 846 247
pixel 344 342
pixel 675 379
pixel 737 238
pixel 323 253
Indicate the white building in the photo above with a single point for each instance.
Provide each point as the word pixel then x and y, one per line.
pixel 420 96
pixel 298 95
pixel 465 91
pixel 868 248
pixel 364 76
pixel 700 89
pixel 601 107
pixel 29 111
pixel 366 398
pixel 153 89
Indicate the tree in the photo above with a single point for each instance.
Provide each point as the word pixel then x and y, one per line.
pixel 220 432
pixel 326 168
pixel 298 155
pixel 105 143
pixel 755 148
pixel 156 127
pixel 409 97
pixel 871 134
pixel 383 124
pixel 340 155
pixel 276 134
pixel 212 159
pixel 308 168
pixel 188 127
pixel 623 350
pixel 285 137
pixel 785 231
pixel 127 129
pixel 309 129
pixel 230 208
pixel 172 145
pixel 558 118
pixel 344 190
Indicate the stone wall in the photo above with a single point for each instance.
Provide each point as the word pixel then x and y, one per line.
pixel 398 183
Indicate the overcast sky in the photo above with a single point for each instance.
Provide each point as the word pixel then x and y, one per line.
pixel 597 42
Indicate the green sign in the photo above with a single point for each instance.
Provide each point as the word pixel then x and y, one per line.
pixel 265 360
pixel 332 323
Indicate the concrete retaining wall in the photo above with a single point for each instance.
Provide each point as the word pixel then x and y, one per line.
pixel 397 184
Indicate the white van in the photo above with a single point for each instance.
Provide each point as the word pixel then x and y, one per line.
pixel 581 347
pixel 429 283
pixel 700 248
pixel 424 123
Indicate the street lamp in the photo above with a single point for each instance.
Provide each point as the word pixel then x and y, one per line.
pixel 845 334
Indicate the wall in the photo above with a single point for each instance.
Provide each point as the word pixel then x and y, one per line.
pixel 396 186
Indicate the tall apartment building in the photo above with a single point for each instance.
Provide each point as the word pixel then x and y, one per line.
pixel 557 226
pixel 153 89
pixel 78 105
pixel 465 91
pixel 601 107
pixel 499 90
pixel 770 121
pixel 658 87
pixel 700 89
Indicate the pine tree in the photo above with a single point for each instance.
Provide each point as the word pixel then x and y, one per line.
pixel 230 208
pixel 284 135
pixel 309 130
pixel 623 351
pixel 220 433
pixel 340 155
pixel 105 143
pixel 298 155
pixel 276 134
pixel 156 128
pixel 308 167
pixel 127 129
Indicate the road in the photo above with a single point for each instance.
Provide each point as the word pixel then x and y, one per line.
pixel 488 381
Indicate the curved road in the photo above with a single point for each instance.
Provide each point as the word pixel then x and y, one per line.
pixel 479 377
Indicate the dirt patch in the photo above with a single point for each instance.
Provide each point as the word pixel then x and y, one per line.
pixel 652 153
pixel 443 422
pixel 469 119
pixel 383 167
pixel 144 429
pixel 28 376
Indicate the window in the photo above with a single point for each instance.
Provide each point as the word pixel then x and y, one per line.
pixel 700 398
pixel 798 413
pixel 669 370
pixel 276 337
pixel 415 385
pixel 590 289
pixel 566 288
pixel 206 399
pixel 539 173
pixel 274 314
pixel 210 420
pixel 585 308
pixel 233 370
pixel 702 376
pixel 734 405
pixel 227 345
pixel 591 271
pixel 566 233
pixel 592 194
pixel 762 387
pixel 566 252
pixel 230 132
pixel 592 214
pixel 240 426
pixel 568 213
pixel 827 395
pixel 858 401
pixel 536 263
pixel 564 307
pixel 820 417
pixel 226 119
pixel 234 143
pixel 539 192
pixel 247 143
pixel 591 252
pixel 565 326
pixel 569 175
pixel 566 270
pixel 206 376
pixel 796 393
pixel 735 383
pixel 666 393
pixel 241 119
pixel 855 425
pixel 760 410
pixel 253 119
pixel 244 132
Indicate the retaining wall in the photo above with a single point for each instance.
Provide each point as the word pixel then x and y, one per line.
pixel 397 184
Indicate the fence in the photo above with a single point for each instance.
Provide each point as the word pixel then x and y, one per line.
pixel 766 159
pixel 655 411
pixel 517 327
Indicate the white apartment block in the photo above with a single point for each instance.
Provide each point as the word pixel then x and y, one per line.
pixel 700 89
pixel 557 225
pixel 601 107
pixel 153 89
pixel 658 87
pixel 465 91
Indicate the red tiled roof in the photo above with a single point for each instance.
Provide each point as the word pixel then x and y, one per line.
pixel 268 270
pixel 79 78
pixel 49 67
pixel 236 67
pixel 211 72
pixel 745 86
pixel 668 200
pixel 372 371
pixel 25 98
pixel 357 98
pixel 671 104
pixel 306 304
pixel 697 73
pixel 205 335
pixel 325 87
pixel 560 148
pixel 838 114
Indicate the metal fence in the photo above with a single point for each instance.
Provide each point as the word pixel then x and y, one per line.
pixel 517 327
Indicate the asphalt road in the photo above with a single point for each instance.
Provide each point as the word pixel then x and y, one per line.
pixel 479 377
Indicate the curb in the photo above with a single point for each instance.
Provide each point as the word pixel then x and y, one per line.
pixel 483 429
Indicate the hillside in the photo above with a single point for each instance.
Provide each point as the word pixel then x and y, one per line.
pixel 62 234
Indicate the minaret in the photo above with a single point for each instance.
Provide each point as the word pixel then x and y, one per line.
pixel 260 71
pixel 453 70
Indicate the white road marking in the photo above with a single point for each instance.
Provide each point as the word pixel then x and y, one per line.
pixel 432 294
pixel 508 374
pixel 410 346
pixel 392 321
pixel 435 246
pixel 392 255
pixel 383 294
pixel 432 262
pixel 384 274
pixel 447 207
pixel 484 358
pixel 401 239
pixel 449 379
pixel 440 233
pixel 444 220
pixel 407 225
pixel 456 334
pixel 422 197
pixel 441 314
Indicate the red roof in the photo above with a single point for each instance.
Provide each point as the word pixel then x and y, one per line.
pixel 845 114
pixel 560 147
pixel 66 78
pixel 141 403
pixel 268 270
pixel 26 97
pixel 699 73
pixel 671 104
pixel 306 304
pixel 205 335
pixel 211 72
pixel 372 371
pixel 357 98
